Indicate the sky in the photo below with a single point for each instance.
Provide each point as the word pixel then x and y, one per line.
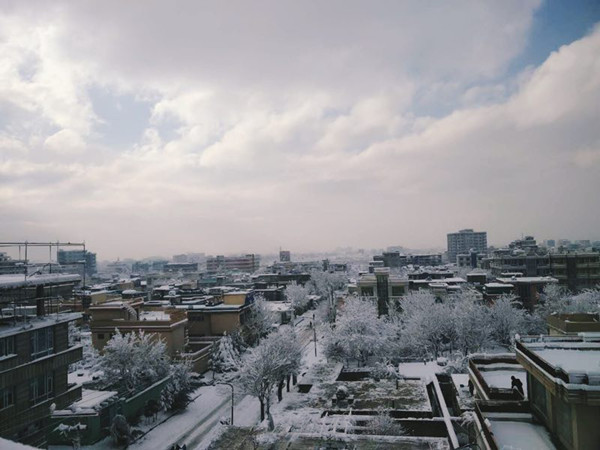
pixel 155 127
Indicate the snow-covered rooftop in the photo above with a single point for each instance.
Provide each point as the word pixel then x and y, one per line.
pixel 20 280
pixel 32 323
pixel 520 435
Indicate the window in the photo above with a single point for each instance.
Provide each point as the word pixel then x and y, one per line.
pixel 7 397
pixel 7 346
pixel 42 342
pixel 41 388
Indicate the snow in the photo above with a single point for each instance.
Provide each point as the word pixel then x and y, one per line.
pixel 91 398
pixel 419 370
pixel 5 444
pixel 155 315
pixel 501 378
pixel 572 360
pixel 520 436
pixel 17 280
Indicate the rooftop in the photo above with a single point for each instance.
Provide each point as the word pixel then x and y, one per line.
pixel 20 280
pixel 527 280
pixel 8 326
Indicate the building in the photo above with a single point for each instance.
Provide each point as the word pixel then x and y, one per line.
pixel 180 267
pixel 246 263
pixel 470 260
pixel 573 324
pixel 425 259
pixel 528 289
pixel 11 266
pixel 392 259
pixel 75 259
pixel 464 241
pixel 382 286
pixel 576 270
pixel 35 354
pixel 216 316
pixel 532 265
pixel 285 256
pixel 563 386
pixel 130 316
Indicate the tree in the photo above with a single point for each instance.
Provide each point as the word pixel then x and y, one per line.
pixel 359 333
pixel 264 366
pixel 225 357
pixel 135 359
pixel 176 394
pixel 297 295
pixel 326 284
pixel 472 322
pixel 428 325
pixel 506 320
pixel 259 322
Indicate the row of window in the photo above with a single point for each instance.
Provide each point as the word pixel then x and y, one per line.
pixel 7 346
pixel 42 343
pixel 41 388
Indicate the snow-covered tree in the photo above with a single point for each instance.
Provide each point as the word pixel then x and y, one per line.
pixel 297 295
pixel 472 324
pixel 506 320
pixel 225 357
pixel 264 366
pixel 176 394
pixel 259 321
pixel 135 359
pixel 359 333
pixel 326 284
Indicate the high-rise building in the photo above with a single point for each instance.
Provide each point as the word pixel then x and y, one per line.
pixel 77 259
pixel 464 241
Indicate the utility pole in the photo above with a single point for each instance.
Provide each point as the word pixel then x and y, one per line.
pixel 314 325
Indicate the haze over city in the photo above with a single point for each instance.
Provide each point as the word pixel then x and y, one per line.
pixel 225 127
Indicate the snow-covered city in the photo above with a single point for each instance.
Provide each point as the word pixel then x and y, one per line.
pixel 299 225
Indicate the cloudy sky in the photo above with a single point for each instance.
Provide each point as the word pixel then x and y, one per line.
pixel 161 127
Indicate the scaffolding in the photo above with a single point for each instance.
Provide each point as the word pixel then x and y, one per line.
pixel 24 246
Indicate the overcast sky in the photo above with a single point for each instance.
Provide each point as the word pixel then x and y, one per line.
pixel 155 127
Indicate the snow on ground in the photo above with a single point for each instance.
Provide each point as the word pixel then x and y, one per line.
pixel 175 429
pixel 521 436
pixel 419 370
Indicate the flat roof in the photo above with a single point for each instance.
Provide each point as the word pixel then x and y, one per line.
pixel 517 434
pixel 35 322
pixel 19 280
pixel 523 280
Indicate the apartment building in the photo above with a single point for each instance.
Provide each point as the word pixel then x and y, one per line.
pixel 77 260
pixel 464 241
pixel 246 263
pixel 35 354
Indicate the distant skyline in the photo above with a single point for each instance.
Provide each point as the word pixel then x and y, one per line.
pixel 153 128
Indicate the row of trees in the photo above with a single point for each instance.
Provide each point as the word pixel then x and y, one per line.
pixel 421 325
pixel 271 364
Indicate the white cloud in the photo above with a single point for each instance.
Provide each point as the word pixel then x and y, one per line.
pixel 267 131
